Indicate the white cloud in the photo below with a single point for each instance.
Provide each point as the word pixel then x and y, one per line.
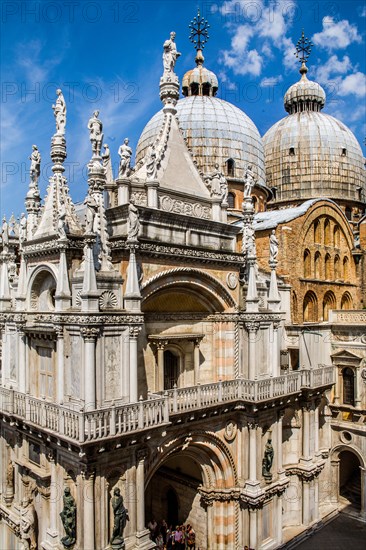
pixel 271 81
pixel 333 66
pixel 362 11
pixel 336 34
pixel 353 84
pixel 248 62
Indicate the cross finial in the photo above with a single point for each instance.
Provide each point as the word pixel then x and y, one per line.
pixel 303 48
pixel 199 31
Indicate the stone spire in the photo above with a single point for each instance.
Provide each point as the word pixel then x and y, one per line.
pixel 58 216
pixel 249 248
pixel 273 296
pixel 132 298
pixel 33 197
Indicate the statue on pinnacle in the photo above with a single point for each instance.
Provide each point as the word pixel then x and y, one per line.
pixel 96 135
pixel 59 110
pixel 170 55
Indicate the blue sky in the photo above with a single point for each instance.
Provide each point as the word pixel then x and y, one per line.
pixel 106 55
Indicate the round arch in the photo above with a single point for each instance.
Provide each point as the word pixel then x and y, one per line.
pixel 346 301
pixel 210 292
pixel 335 452
pixel 310 307
pixel 43 278
pixel 329 302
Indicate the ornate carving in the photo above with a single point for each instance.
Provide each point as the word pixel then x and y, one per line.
pixel 230 430
pixel 268 460
pixel 68 518
pixel 232 280
pixel 135 331
pixel 181 207
pixel 28 524
pixel 90 333
pixel 108 300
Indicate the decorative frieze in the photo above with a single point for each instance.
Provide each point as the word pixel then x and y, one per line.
pixel 168 204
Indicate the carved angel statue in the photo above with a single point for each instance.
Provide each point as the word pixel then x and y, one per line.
pixel 248 183
pixel 273 247
pixel 28 524
pixel 151 162
pixel 59 110
pixel 107 163
pixel 91 210
pixel 5 233
pixel 35 167
pixel 133 221
pixel 22 228
pixel 62 223
pixel 68 518
pixel 250 246
pixel 125 153
pixel 96 136
pixel 170 54
pixel 120 518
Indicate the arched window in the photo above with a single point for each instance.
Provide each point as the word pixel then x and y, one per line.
pixel 294 308
pixel 307 264
pixel 327 267
pixel 317 265
pixel 310 307
pixel 231 200
pixel 171 370
pixel 206 89
pixel 337 267
pixel 346 268
pixel 329 302
pixel 327 235
pixel 348 387
pixel 336 236
pixel 255 204
pixel 348 212
pixel 230 168
pixel 346 301
pixel 317 236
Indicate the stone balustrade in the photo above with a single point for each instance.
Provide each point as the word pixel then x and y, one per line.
pixel 86 426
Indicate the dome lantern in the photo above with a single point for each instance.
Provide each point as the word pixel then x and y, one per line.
pixel 199 81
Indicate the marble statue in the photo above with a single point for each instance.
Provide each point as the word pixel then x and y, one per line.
pixel 5 233
pixel 35 167
pixel 151 162
pixel 273 247
pixel 133 221
pixel 91 210
pixel 248 183
pixel 23 228
pixel 250 246
pixel 10 474
pixel 120 518
pixel 268 458
pixel 125 153
pixel 28 524
pixel 107 163
pixel 214 181
pixel 170 54
pixel 59 110
pixel 68 518
pixel 96 136
pixel 62 223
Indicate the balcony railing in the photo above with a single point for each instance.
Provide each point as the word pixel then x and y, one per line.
pixel 84 426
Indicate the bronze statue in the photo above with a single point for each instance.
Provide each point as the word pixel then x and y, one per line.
pixel 267 459
pixel 68 518
pixel 120 519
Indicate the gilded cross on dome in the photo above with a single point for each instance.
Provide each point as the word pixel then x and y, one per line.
pixel 303 48
pixel 199 31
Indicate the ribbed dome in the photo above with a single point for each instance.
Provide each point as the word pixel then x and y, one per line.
pixel 200 79
pixel 215 131
pixel 305 95
pixel 311 154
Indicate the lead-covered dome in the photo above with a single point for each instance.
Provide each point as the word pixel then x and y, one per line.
pixel 216 132
pixel 311 154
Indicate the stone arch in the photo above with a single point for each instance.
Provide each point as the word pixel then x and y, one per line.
pixel 346 268
pixel 327 267
pixel 210 293
pixel 231 199
pixel 317 232
pixel 329 302
pixel 42 287
pixel 326 209
pixel 334 453
pixel 327 233
pixel 310 307
pixel 307 263
pixel 317 265
pixel 346 301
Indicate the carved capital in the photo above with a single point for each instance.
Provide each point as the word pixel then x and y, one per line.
pixel 90 333
pixel 142 454
pixel 134 332
pixel 59 330
pixel 252 327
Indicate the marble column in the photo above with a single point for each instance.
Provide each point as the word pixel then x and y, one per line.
pixel 279 441
pixel 22 348
pixel 338 386
pixel 253 527
pixel 316 428
pixel 90 335
pixel 88 503
pixel 142 533
pixel 52 534
pixel 60 348
pixel 196 361
pixel 334 476
pixel 358 388
pixel 306 431
pixel 252 329
pixel 363 492
pixel 252 451
pixel 279 519
pixel 305 502
pixel 134 332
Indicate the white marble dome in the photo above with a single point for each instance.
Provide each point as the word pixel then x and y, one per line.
pixel 215 131
pixel 311 154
